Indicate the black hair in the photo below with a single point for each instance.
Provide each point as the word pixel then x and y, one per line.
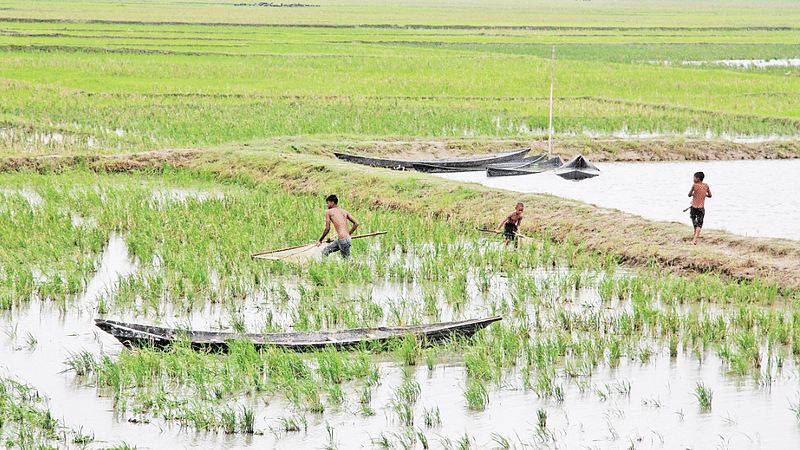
pixel 332 198
pixel 699 175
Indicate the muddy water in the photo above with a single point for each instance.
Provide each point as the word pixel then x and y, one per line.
pixel 750 198
pixel 657 411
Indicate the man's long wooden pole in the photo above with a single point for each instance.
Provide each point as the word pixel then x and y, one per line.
pixel 329 240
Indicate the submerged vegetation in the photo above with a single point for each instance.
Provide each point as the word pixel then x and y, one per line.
pixel 26 422
pixel 568 311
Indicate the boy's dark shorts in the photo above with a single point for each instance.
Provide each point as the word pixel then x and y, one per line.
pixel 697 215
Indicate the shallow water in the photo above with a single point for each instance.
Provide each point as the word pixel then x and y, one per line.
pixel 750 198
pixel 657 411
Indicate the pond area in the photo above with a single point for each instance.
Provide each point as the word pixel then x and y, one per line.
pixel 588 354
pixel 750 198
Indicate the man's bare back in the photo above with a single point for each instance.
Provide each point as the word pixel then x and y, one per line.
pixel 339 217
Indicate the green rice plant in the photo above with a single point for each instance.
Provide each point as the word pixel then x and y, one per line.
pixel 82 363
pixel 501 442
pixel 423 440
pixel 404 411
pixel 613 350
pixel 747 355
pixel 365 401
pixel 673 346
pixel 477 396
pixel 466 442
pixel 246 420
pixel 228 420
pixel 408 392
pixel 331 365
pixel 704 395
pixel 795 408
pixel 408 350
pixel 336 395
pixel 478 365
pixel 293 424
pixel 310 395
pixel 431 417
pixel 546 385
pixel 382 442
pixel 541 421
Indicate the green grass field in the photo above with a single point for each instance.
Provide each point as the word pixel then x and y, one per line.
pixel 100 77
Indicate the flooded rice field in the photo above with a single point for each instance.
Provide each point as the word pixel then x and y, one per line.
pixel 738 63
pixel 750 198
pixel 588 354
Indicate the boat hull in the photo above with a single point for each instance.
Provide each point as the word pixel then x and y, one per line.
pixel 578 168
pixel 136 335
pixel 465 161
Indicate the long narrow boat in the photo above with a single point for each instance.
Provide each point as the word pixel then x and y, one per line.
pixel 462 161
pixel 519 163
pixel 578 168
pixel 136 335
pixel 445 168
pixel 497 170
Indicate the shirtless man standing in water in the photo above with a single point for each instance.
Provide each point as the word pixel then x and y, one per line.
pixel 339 217
pixel 510 225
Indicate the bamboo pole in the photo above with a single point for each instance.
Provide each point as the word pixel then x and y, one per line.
pixel 254 255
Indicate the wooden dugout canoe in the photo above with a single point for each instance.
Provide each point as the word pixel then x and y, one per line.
pixel 135 335
pixel 462 161
pixel 506 170
pixel 442 168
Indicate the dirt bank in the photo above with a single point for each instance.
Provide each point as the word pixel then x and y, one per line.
pixel 629 238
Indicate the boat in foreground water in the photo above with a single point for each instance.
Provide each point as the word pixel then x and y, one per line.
pixel 136 335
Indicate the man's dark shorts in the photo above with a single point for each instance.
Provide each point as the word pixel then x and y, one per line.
pixel 697 215
pixel 510 231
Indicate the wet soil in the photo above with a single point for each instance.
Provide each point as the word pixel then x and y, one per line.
pixel 305 166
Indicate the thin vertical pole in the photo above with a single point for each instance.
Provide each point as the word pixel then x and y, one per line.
pixel 550 130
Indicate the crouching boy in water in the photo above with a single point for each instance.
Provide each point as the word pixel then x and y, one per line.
pixel 339 217
pixel 510 225
pixel 697 213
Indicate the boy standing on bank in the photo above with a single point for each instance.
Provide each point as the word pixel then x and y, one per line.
pixel 510 225
pixel 697 212
pixel 339 218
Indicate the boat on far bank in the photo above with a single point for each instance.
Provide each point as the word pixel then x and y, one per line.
pixel 458 162
pixel 577 168
pixel 508 169
pixel 444 168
